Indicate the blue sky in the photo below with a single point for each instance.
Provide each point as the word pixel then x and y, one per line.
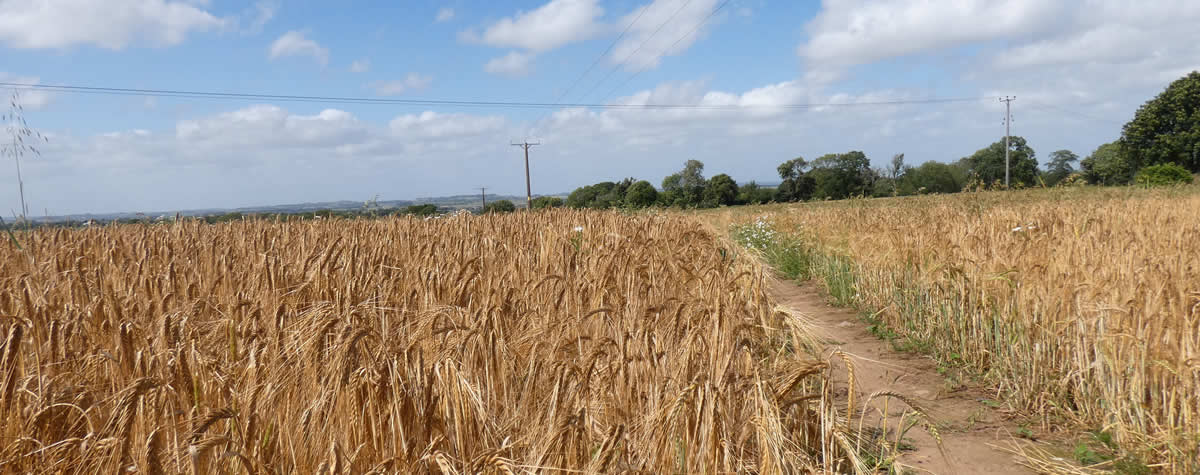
pixel 1079 70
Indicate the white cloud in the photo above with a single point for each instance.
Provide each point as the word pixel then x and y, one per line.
pixel 411 82
pixel 31 99
pixel 296 43
pixel 445 14
pixel 435 125
pixel 267 154
pixel 550 26
pixel 513 64
pixel 261 14
pixel 645 45
pixel 111 24
pixel 852 32
pixel 270 125
pixel 360 65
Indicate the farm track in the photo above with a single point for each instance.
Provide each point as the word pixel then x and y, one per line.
pixel 972 433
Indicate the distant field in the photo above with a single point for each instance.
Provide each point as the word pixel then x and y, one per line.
pixel 500 344
pixel 1082 305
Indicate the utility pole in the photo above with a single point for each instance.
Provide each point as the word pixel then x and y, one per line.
pixel 1007 100
pixel 483 194
pixel 528 191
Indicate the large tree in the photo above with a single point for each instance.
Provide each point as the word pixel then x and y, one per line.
pixel 1167 128
pixel 796 185
pixel 1108 165
pixel 933 177
pixel 685 188
pixel 987 164
pixel 721 190
pixel 841 175
pixel 602 195
pixel 895 169
pixel 1060 166
pixel 752 194
pixel 641 194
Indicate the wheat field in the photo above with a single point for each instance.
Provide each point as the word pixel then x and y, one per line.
pixel 1081 306
pixel 557 342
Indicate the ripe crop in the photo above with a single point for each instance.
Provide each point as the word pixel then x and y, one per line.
pixel 1081 306
pixel 501 344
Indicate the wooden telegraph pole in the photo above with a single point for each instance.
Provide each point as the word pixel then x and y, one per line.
pixel 528 190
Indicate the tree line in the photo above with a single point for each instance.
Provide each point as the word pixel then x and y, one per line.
pixel 1160 145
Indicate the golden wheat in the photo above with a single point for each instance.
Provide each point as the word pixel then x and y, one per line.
pixel 1081 305
pixel 490 344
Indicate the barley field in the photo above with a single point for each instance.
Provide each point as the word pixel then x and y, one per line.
pixel 557 342
pixel 1081 306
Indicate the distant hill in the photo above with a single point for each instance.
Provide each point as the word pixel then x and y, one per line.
pixel 442 202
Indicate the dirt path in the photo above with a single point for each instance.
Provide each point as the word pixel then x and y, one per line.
pixel 969 428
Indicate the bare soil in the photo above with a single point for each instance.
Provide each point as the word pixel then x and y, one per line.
pixel 972 428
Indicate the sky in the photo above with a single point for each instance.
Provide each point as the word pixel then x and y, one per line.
pixel 776 79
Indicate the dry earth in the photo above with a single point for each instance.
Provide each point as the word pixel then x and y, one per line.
pixel 973 433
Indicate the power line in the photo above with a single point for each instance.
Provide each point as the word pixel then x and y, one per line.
pixel 602 55
pixel 639 48
pixel 117 91
pixel 593 65
pixel 660 54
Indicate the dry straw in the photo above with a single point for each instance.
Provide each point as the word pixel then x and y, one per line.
pixel 1082 305
pixel 497 344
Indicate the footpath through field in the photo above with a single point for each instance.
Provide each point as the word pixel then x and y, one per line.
pixel 972 433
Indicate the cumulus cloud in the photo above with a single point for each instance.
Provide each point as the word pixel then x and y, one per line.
pixel 646 43
pixel 110 24
pixel 550 26
pixel 513 64
pixel 411 82
pixel 444 15
pixel 852 32
pixel 297 43
pixel 435 125
pixel 360 65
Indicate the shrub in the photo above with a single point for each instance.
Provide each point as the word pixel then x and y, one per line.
pixel 641 194
pixel 1163 175
pixel 501 206
pixel 547 202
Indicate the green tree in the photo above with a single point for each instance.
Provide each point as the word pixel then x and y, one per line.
pixel 547 202
pixel 641 194
pixel 796 185
pixel 1167 128
pixel 427 209
pixel 841 175
pixel 933 177
pixel 987 164
pixel 792 168
pixel 1108 165
pixel 752 194
pixel 500 206
pixel 1163 174
pixel 685 188
pixel 895 170
pixel 601 195
pixel 1060 166
pixel 586 196
pixel 721 191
